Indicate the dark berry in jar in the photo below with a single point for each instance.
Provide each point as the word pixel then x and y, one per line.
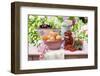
pixel 45 26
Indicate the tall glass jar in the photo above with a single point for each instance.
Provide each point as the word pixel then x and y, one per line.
pixel 66 25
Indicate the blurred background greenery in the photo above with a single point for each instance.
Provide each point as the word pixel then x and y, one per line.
pixel 34 23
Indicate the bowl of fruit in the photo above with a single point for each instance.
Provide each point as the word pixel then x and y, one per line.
pixel 53 40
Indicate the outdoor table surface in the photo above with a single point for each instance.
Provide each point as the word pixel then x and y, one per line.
pixel 67 52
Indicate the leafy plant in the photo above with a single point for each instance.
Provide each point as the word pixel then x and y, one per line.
pixel 34 23
pixel 71 17
pixel 55 21
pixel 79 33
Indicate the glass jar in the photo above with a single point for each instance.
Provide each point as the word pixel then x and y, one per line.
pixel 66 25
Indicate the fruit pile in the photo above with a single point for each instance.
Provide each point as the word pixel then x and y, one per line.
pixel 52 36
